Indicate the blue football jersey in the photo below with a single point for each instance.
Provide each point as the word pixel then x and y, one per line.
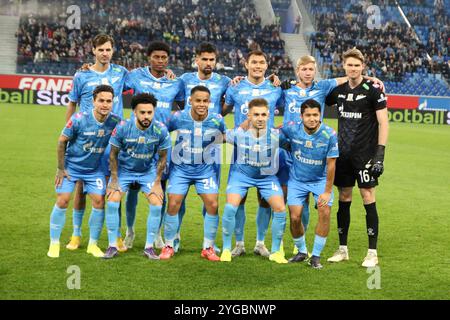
pixel 310 152
pixel 256 157
pixel 295 96
pixel 217 84
pixel 240 95
pixel 165 91
pixel 139 147
pixel 88 140
pixel 195 148
pixel 84 83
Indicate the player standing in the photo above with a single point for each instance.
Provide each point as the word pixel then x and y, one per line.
pixel 256 166
pixel 193 163
pixel 169 93
pixel 80 150
pixel 102 72
pixel 134 145
pixel 255 85
pixel 314 150
pixel 363 129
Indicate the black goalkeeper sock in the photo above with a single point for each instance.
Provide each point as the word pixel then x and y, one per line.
pixel 372 224
pixel 343 221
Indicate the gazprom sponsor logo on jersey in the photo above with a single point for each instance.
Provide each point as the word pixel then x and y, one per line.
pixel 292 108
pixel 304 160
pixel 244 108
pixel 88 147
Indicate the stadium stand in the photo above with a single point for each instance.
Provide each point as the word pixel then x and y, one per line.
pixel 47 46
pixel 393 51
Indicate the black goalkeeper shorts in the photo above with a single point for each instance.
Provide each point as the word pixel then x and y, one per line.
pixel 349 170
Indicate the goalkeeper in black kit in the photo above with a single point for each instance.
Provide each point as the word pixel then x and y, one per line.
pixel 363 129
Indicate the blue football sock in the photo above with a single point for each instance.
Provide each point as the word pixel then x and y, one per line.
pixel 319 243
pixel 120 220
pixel 210 225
pixel 131 203
pixel 77 218
pixel 305 216
pixel 262 222
pixel 278 227
pixel 228 225
pixel 96 224
pixel 170 228
pixel 112 222
pixel 240 223
pixel 154 216
pixel 300 243
pixel 181 213
pixel 57 220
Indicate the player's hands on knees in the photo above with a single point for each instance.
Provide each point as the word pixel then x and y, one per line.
pixel 169 74
pixel 112 188
pixel 235 81
pixel 60 174
pixel 274 79
pixel 157 191
pixel 323 199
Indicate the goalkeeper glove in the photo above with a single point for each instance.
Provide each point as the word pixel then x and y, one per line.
pixel 377 167
pixel 287 84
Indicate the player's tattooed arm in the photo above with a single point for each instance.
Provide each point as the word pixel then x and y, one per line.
pixel 325 197
pixel 61 170
pixel 71 107
pixel 160 167
pixel 113 184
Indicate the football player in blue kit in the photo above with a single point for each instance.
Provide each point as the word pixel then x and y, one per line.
pixel 255 85
pixel 169 93
pixel 134 146
pixel 256 166
pixel 84 83
pixel 314 149
pixel 80 149
pixel 192 163
pixel 205 59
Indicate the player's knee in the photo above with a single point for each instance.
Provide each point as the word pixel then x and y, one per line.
pixel 62 201
pixel 368 195
pixel 98 202
pixel 295 218
pixel 345 194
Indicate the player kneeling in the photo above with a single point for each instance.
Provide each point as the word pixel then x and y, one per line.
pixel 256 149
pixel 134 145
pixel 80 149
pixel 314 150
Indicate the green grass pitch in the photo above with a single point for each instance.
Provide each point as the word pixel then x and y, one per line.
pixel 413 203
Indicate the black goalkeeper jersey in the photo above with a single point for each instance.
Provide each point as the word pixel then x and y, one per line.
pixel 357 120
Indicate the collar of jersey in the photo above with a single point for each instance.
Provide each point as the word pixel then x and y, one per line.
pixel 198 78
pixel 255 85
pixel 307 89
pixel 315 133
pixel 190 116
pixel 149 74
pixel 95 119
pixel 102 73
pixel 150 126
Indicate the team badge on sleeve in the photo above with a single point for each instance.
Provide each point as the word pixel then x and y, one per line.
pixel 69 124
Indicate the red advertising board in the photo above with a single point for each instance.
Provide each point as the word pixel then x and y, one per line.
pixel 36 82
